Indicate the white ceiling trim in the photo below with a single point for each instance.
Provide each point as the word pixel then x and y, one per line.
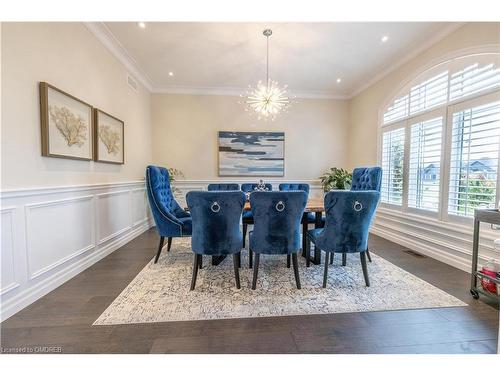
pixel 106 37
pixel 417 50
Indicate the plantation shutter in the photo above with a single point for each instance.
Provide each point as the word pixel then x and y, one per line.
pixel 425 164
pixel 397 110
pixel 473 79
pixel 429 94
pixel 474 158
pixel 392 164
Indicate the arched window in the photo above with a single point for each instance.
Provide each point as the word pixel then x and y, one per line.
pixel 441 139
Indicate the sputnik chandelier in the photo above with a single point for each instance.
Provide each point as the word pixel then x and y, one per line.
pixel 267 100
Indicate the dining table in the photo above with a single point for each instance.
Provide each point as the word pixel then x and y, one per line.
pixel 314 205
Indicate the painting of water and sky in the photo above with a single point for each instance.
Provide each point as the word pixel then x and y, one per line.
pixel 251 154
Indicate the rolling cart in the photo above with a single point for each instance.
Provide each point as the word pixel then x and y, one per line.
pixel 491 216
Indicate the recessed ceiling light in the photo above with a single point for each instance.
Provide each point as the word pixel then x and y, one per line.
pixel 385 38
pixel 170 74
pixel 339 80
pixel 142 25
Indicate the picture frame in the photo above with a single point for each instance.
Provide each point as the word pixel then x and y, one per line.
pixel 66 124
pixel 109 138
pixel 251 154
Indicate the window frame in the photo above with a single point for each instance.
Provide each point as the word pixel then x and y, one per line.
pixel 452 65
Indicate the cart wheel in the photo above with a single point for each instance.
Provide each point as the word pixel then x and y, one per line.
pixel 475 294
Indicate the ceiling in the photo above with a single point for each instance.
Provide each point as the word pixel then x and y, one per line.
pixel 309 57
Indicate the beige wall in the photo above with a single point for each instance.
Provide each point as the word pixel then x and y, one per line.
pixel 68 56
pixel 364 108
pixel 185 133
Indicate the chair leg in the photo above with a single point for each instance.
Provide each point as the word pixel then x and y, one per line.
pixel 245 228
pixel 325 273
pixel 344 259
pixel 368 255
pixel 255 271
pixel 239 259
pixel 296 270
pixel 308 252
pixel 200 262
pixel 236 263
pixel 288 261
pixel 250 258
pixel 331 258
pixel 169 243
pixel 362 255
pixel 196 263
pixel 304 233
pixel 162 240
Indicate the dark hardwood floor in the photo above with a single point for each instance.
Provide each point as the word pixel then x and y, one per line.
pixel 63 318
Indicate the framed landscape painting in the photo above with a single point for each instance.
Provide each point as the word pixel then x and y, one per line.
pixel 108 138
pixel 66 124
pixel 252 154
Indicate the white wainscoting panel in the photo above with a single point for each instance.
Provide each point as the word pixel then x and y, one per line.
pixel 139 206
pixel 57 231
pixel 49 235
pixel 113 213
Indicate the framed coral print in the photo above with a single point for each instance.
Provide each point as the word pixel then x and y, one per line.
pixel 66 124
pixel 108 138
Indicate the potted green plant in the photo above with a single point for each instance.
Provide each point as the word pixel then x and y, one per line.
pixel 336 178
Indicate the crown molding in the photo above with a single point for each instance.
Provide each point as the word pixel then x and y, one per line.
pixel 417 50
pixel 106 37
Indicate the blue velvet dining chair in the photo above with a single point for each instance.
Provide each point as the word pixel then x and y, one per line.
pixel 348 218
pixel 310 217
pixel 223 187
pixel 365 178
pixel 277 216
pixel 216 227
pixel 170 219
pixel 247 215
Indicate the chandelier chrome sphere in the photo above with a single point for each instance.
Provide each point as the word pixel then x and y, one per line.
pixel 267 100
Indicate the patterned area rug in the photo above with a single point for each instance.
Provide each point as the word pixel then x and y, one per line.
pixel 160 292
